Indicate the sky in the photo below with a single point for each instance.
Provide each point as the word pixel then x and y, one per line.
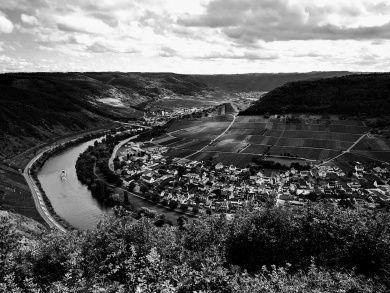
pixel 194 36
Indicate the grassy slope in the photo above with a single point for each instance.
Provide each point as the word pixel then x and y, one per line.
pixel 354 94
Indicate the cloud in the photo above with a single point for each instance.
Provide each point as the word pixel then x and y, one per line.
pixel 246 55
pixel 83 24
pixel 100 47
pixel 13 64
pixel 168 52
pixel 6 26
pixel 248 21
pixel 22 5
pixel 205 35
pixel 29 19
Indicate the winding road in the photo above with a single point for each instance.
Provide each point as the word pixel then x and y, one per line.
pixel 38 199
pixel 116 148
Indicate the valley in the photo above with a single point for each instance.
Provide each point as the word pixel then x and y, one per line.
pixel 223 133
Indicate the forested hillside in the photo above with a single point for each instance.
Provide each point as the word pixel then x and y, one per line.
pixel 362 94
pixel 263 82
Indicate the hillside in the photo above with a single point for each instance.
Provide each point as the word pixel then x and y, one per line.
pixel 22 226
pixel 367 94
pixel 38 106
pixel 260 81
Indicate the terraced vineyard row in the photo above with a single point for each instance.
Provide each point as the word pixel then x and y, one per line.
pixel 251 136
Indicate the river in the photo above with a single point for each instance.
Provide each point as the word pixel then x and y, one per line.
pixel 71 200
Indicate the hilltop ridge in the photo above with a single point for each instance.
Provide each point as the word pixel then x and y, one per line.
pixel 359 94
pixel 39 106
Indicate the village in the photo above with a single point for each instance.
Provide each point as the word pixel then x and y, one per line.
pixel 161 117
pixel 212 186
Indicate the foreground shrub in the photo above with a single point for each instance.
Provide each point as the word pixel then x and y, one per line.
pixel 127 255
pixel 335 237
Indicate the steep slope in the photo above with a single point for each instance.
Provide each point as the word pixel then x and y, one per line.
pixel 22 227
pixel 261 81
pixel 367 94
pixel 38 106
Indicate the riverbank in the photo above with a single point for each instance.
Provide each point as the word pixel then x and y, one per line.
pixel 20 161
pixel 95 168
pixel 41 200
pixel 15 193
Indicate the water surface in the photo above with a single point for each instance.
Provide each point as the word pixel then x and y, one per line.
pixel 71 200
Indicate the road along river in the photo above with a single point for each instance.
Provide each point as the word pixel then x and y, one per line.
pixel 71 200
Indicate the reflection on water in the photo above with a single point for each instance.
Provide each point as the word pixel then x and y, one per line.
pixel 71 200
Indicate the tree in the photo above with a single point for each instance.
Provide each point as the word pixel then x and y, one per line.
pixel 195 209
pixel 155 197
pixel 143 189
pixel 173 204
pixel 184 207
pixel 131 186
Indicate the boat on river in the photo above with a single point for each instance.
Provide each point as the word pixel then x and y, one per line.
pixel 63 175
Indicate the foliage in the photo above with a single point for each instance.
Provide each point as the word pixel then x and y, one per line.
pixel 127 255
pixel 361 94
pixel 173 204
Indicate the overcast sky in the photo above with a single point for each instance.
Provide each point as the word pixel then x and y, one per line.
pixel 194 36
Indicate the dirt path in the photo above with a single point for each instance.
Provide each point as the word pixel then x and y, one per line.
pixel 347 150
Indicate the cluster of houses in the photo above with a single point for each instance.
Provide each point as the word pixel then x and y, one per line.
pixel 145 170
pixel 160 117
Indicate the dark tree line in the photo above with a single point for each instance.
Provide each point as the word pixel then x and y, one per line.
pixel 363 95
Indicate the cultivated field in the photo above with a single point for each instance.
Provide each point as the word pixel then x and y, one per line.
pixel 310 138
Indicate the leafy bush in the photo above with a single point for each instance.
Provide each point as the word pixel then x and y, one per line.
pixel 335 237
pixel 127 255
pixel 173 204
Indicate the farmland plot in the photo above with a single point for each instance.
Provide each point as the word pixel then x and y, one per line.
pixel 171 141
pixel 347 122
pixel 348 129
pixel 308 153
pixel 313 138
pixel 374 144
pixel 256 149
pixel 313 134
pixel 255 125
pixel 178 153
pixel 375 155
pixel 225 146
pixel 261 139
pixel 252 131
